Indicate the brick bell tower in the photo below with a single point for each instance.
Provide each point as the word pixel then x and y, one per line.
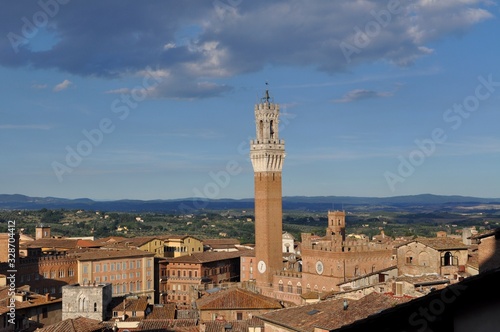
pixel 267 153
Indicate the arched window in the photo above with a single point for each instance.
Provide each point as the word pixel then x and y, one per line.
pixel 409 257
pixel 299 288
pixel 280 285
pixel 271 129
pixel 290 287
pixel 261 130
pixel 447 259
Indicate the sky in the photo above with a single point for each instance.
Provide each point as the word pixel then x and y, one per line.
pixel 154 99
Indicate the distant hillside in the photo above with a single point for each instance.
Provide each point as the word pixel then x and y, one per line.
pixel 190 205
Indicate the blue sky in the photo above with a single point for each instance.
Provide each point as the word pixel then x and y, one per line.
pixel 154 99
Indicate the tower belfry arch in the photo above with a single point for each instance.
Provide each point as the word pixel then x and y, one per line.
pixel 267 153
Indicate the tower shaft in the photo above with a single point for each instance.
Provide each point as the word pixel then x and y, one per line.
pixel 267 153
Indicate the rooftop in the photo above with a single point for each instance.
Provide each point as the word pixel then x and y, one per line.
pixel 236 298
pixel 330 314
pixel 80 324
pixel 99 254
pixel 439 243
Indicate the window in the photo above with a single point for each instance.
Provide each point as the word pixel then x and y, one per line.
pixel 124 265
pixel 95 307
pixel 280 286
pixel 138 264
pixel 97 279
pixel 290 288
pixel 118 266
pixel 105 267
pixel 85 269
pixel 71 272
pixel 239 316
pixel 112 267
pixel 409 260
pixel 61 273
pixel 132 265
pixel 98 268
pixel 447 259
pixel 134 313
pixel 115 313
pixel 299 288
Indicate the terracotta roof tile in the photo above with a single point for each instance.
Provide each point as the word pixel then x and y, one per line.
pixel 438 243
pixel 234 326
pixel 168 324
pixel 52 243
pixel 236 298
pixel 139 303
pixel 103 253
pixel 330 314
pixel 139 241
pixel 32 300
pixel 162 311
pixel 80 324
pixel 426 279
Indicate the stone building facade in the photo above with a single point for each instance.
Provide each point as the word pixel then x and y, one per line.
pixel 89 301
pixel 443 256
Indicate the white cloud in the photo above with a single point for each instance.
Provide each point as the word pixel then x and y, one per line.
pixel 62 86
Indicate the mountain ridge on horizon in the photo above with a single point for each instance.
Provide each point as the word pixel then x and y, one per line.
pixel 19 201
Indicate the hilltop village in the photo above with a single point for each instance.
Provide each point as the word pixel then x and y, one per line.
pixel 326 282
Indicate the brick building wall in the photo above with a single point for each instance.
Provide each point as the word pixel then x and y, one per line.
pixel 248 268
pixel 186 279
pixel 268 224
pixel 338 267
pixel 46 273
pixel 489 252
